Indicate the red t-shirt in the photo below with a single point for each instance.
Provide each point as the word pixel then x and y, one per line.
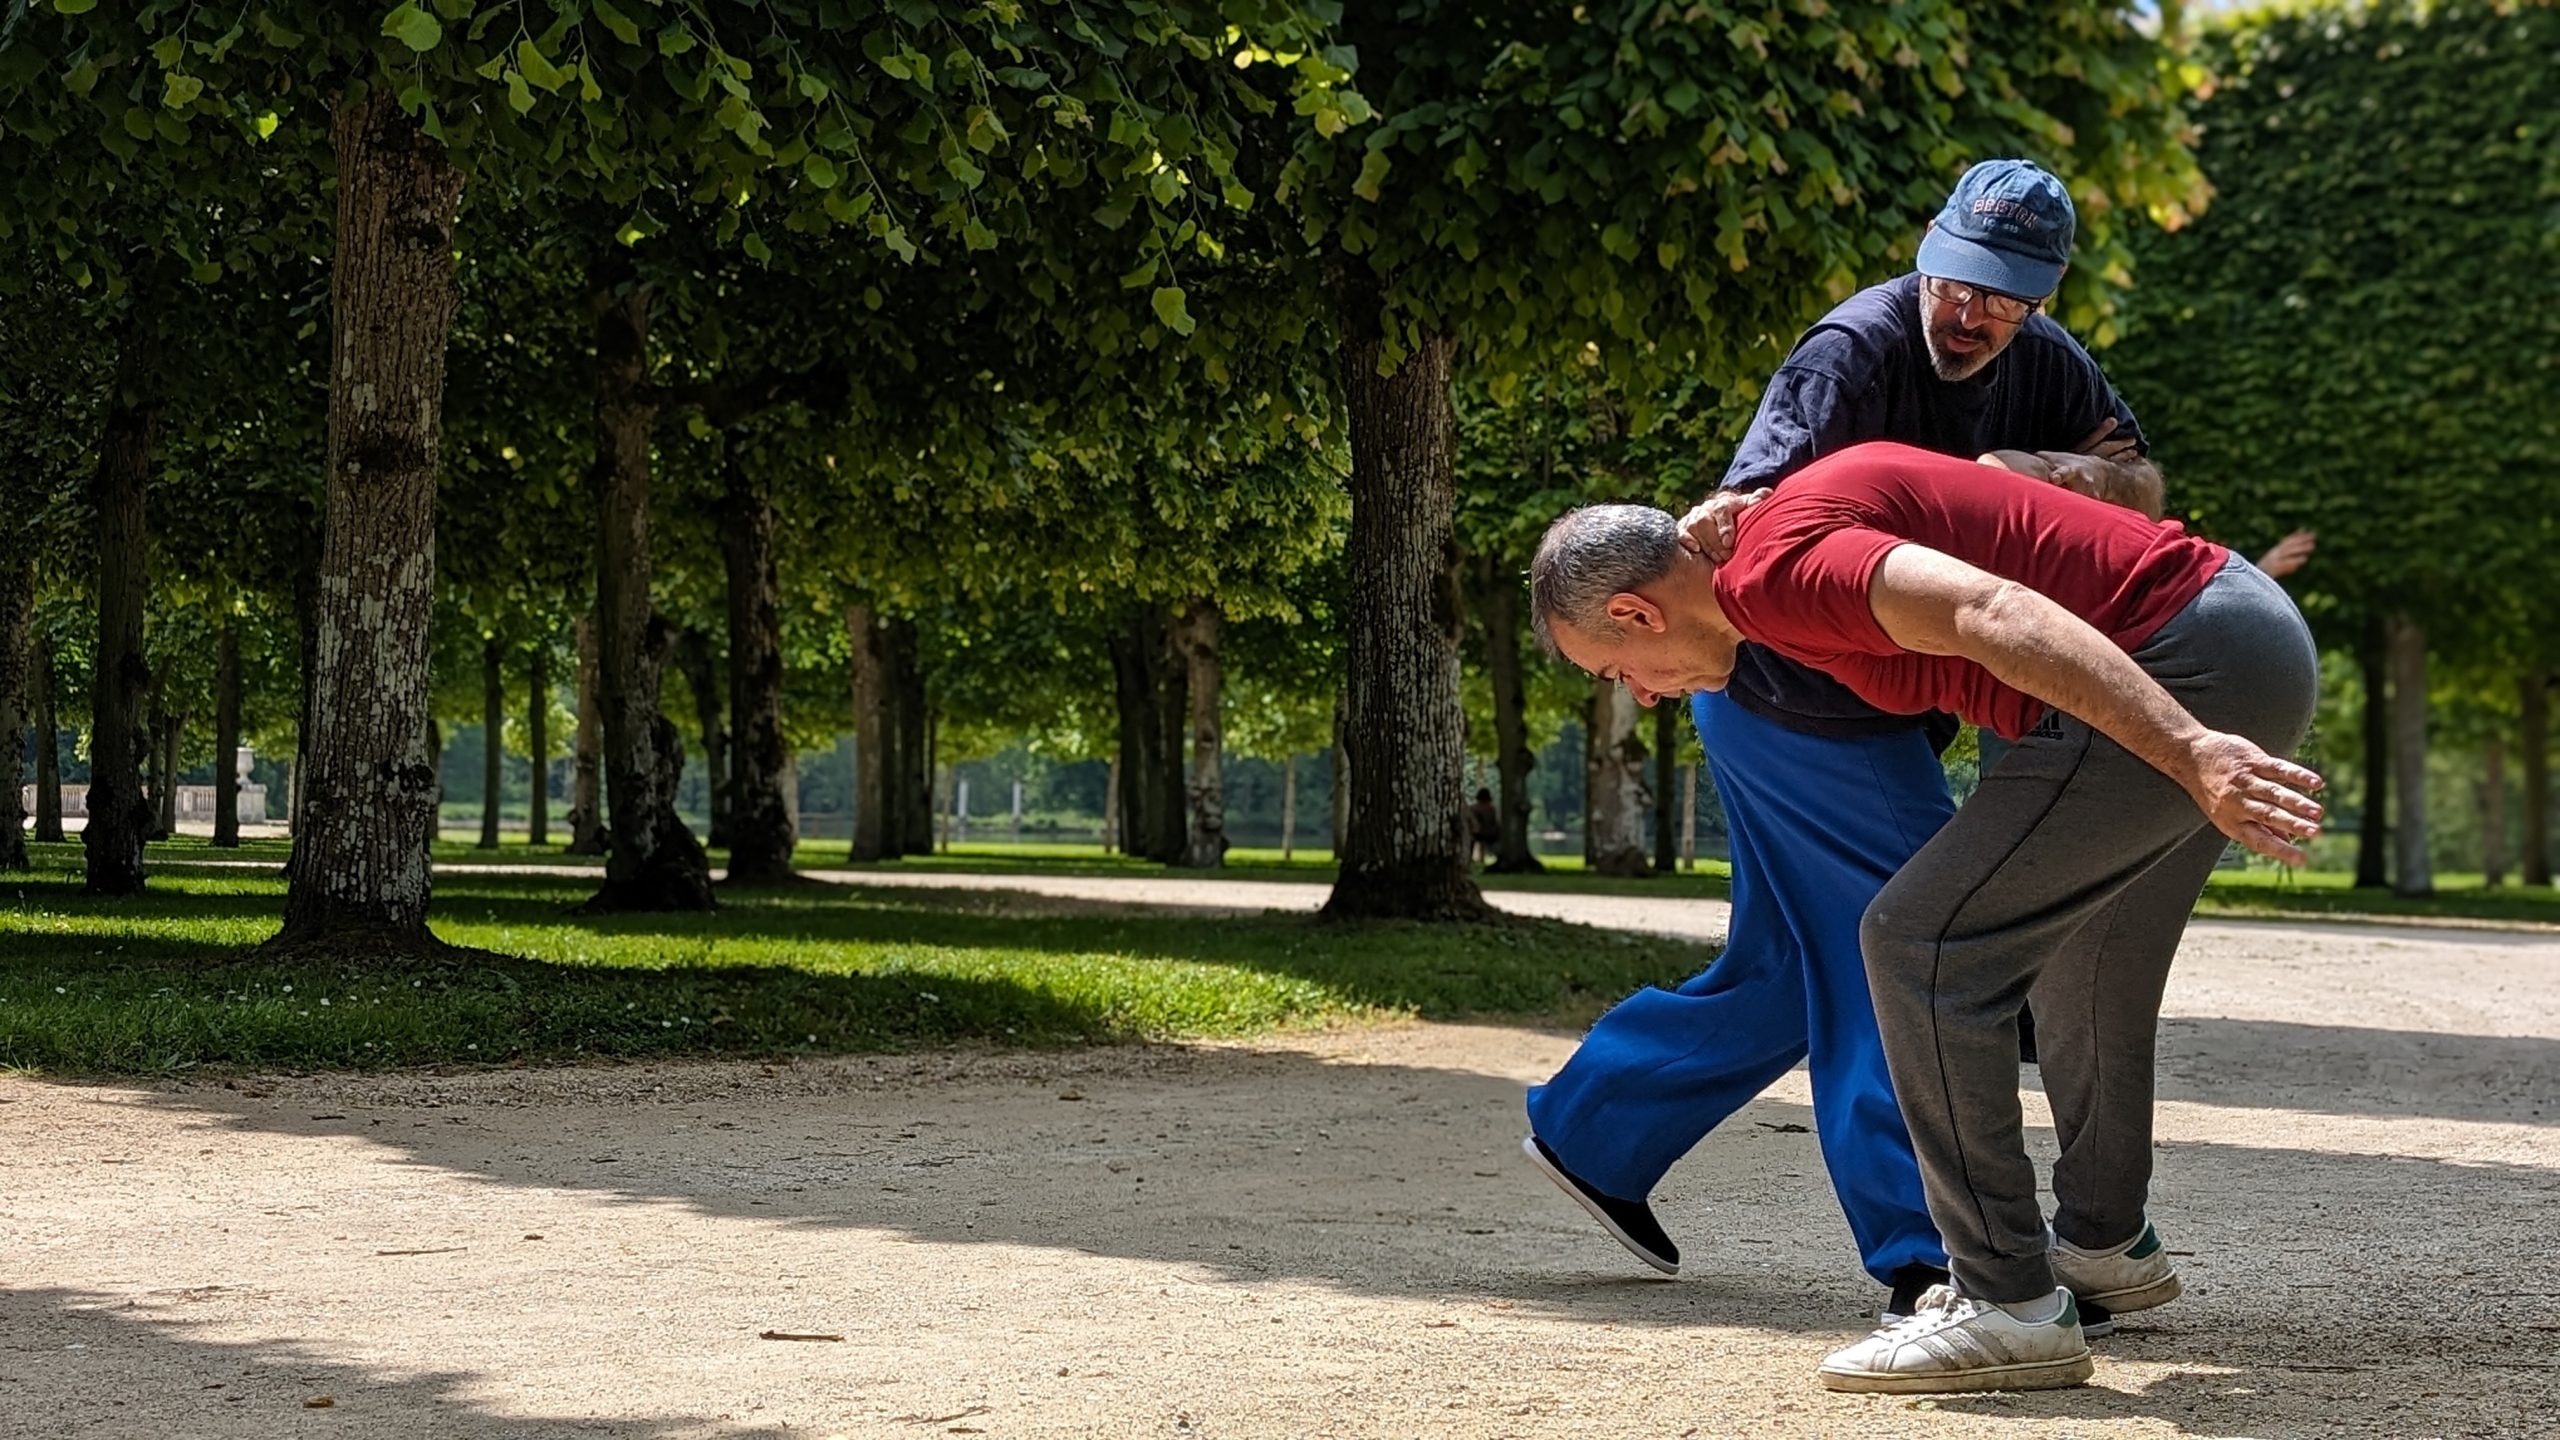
pixel 1803 559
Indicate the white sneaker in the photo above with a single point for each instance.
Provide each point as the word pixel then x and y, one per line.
pixel 2137 1277
pixel 1955 1343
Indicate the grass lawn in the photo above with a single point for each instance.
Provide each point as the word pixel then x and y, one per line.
pixel 2258 891
pixel 166 982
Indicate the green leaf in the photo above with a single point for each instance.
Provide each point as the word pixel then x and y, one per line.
pixel 537 67
pixel 1172 308
pixel 74 7
pixel 975 234
pixel 756 249
pixel 413 27
pixel 622 26
pixel 177 91
pixel 519 94
pixel 167 50
pixel 962 171
pixel 138 123
pixel 674 40
pixel 1373 173
pixel 820 170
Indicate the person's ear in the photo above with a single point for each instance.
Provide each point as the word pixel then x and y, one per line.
pixel 1630 611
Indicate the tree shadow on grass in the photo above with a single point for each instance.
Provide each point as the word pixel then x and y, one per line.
pixel 2323 1284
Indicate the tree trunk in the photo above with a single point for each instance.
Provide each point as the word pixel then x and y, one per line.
pixel 1405 850
pixel 2536 739
pixel 1111 807
pixel 1341 797
pixel 1498 609
pixel 493 729
pixel 48 747
pixel 701 670
pixel 1615 783
pixel 306 614
pixel 1666 774
pixel 167 726
pixel 119 818
pixel 914 749
pixel 1689 816
pixel 1289 809
pixel 2493 810
pixel 586 783
pixel 369 796
pixel 226 737
pixel 537 734
pixel 2413 875
pixel 17 605
pixel 1196 639
pixel 655 862
pixel 2373 837
pixel 761 833
pixel 877 835
pixel 1151 685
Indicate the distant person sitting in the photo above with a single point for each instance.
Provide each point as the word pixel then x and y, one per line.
pixel 1484 828
pixel 2151 682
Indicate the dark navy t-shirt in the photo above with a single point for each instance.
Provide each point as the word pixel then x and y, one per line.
pixel 1863 373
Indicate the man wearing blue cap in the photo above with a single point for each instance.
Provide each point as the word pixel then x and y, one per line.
pixel 1826 797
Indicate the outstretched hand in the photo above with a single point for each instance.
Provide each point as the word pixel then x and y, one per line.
pixel 2255 798
pixel 1709 527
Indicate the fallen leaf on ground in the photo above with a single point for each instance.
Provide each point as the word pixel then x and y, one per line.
pixel 788 1335
pixel 319 1402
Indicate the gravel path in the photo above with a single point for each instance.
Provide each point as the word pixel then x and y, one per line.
pixel 1323 1235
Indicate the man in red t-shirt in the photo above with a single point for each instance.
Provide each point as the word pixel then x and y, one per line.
pixel 2152 680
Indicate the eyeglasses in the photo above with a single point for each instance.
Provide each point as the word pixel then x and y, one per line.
pixel 2008 309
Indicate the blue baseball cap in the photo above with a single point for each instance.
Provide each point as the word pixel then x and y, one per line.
pixel 2008 227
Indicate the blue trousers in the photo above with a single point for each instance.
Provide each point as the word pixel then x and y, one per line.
pixel 1817 827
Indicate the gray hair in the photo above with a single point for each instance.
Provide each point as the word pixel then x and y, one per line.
pixel 1591 554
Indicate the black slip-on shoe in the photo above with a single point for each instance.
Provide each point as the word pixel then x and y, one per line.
pixel 1913 1281
pixel 1909 1284
pixel 1629 1222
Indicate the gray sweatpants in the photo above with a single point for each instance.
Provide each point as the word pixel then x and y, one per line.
pixel 2066 881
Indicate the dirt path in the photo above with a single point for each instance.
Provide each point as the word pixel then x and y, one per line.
pixel 1324 1236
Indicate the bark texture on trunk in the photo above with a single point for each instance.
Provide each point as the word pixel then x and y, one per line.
pixel 1666 777
pixel 701 670
pixel 1151 683
pixel 2373 837
pixel 1340 798
pixel 1405 848
pixel 586 782
pixel 877 835
pixel 537 731
pixel 119 817
pixel 1689 816
pixel 1111 807
pixel 1614 783
pixel 914 750
pixel 369 783
pixel 48 747
pixel 761 833
pixel 17 701
pixel 655 863
pixel 2493 810
pixel 1498 611
pixel 493 729
pixel 2412 872
pixel 226 737
pixel 165 728
pixel 2536 740
pixel 1195 637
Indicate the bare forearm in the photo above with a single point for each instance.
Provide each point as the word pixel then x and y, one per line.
pixel 2135 484
pixel 2032 644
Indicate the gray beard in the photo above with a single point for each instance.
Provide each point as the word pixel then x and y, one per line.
pixel 1956 367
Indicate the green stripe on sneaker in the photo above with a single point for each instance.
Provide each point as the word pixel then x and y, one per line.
pixel 2146 1247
